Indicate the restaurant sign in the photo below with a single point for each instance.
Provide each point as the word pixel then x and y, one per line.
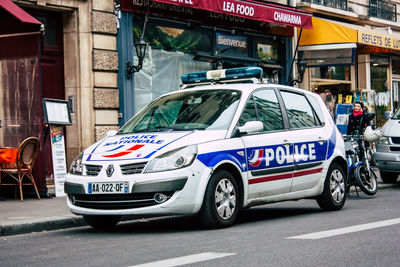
pixel 385 41
pixel 239 8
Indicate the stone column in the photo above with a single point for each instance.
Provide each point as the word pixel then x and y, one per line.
pixel 105 68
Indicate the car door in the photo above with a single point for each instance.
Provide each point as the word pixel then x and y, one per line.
pixel 269 155
pixel 309 139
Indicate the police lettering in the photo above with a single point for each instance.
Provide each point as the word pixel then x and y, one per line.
pixel 282 155
pixel 137 139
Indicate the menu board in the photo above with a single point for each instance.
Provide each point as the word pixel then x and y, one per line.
pixel 56 112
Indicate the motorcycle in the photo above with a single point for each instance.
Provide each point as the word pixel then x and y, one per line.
pixel 361 173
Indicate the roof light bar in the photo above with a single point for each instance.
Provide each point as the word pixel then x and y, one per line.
pixel 225 74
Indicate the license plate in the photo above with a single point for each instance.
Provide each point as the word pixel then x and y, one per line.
pixel 108 188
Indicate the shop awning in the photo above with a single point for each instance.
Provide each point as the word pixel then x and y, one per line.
pixel 250 9
pixel 328 44
pixel 18 12
pixel 327 32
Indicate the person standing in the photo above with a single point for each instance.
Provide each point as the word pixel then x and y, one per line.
pixel 357 119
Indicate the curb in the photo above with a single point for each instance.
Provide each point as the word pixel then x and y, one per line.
pixel 43 225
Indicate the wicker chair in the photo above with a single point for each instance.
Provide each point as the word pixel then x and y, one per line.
pixel 23 165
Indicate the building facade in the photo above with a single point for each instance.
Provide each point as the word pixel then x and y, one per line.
pixel 59 50
pixel 353 51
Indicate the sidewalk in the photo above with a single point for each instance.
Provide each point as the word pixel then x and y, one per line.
pixel 33 215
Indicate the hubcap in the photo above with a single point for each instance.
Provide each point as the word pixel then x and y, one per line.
pixel 225 199
pixel 337 186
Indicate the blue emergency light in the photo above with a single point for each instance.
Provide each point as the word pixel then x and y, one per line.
pixel 220 75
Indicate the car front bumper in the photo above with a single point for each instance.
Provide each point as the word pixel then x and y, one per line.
pixel 387 157
pixel 182 193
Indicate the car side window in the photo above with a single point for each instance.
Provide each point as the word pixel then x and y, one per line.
pixel 299 111
pixel 268 109
pixel 263 105
pixel 249 112
pixel 317 108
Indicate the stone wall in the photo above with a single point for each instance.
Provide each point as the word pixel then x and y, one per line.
pixel 105 68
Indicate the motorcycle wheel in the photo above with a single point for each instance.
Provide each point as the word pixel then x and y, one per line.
pixel 367 183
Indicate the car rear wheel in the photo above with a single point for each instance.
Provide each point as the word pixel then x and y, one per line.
pixel 102 221
pixel 221 201
pixel 335 189
pixel 389 177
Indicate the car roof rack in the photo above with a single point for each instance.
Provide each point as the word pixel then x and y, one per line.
pixel 233 75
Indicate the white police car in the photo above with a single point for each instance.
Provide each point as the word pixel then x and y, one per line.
pixel 212 149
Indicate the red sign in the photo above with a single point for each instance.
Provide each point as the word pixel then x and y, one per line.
pixel 245 9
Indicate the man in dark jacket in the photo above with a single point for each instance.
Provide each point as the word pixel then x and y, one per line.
pixel 357 119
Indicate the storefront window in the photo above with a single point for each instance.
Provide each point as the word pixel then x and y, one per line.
pixel 396 67
pixel 176 48
pixel 268 52
pixel 172 39
pixel 331 73
pixel 380 84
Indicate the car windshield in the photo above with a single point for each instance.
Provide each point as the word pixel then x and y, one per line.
pixel 186 110
pixel 396 115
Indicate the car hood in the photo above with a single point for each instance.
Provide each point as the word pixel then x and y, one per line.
pixel 139 146
pixel 391 128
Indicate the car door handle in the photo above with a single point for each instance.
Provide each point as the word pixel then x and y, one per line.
pixel 321 141
pixel 286 143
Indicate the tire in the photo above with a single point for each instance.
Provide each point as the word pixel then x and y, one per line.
pixel 368 184
pixel 102 221
pixel 389 177
pixel 221 201
pixel 335 190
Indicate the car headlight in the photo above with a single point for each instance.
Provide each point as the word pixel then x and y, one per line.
pixel 76 165
pixel 175 159
pixel 384 140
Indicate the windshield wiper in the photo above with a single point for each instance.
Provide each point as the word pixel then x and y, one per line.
pixel 172 128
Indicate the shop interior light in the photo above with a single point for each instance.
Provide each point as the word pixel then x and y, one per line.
pixel 220 75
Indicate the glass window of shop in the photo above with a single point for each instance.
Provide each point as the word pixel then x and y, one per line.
pixel 396 83
pixel 332 83
pixel 269 52
pixel 173 45
pixel 380 84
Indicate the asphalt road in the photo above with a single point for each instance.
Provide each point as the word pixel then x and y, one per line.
pixel 366 232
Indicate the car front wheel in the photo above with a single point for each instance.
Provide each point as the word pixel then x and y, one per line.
pixel 335 189
pixel 221 201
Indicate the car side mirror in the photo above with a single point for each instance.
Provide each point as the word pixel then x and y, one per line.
pixel 111 133
pixel 251 127
pixel 387 115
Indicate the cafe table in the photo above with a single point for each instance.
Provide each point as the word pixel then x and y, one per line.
pixel 8 156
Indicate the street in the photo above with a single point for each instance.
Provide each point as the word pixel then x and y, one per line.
pixel 366 233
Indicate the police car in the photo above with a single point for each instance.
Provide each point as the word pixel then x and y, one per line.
pixel 225 142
